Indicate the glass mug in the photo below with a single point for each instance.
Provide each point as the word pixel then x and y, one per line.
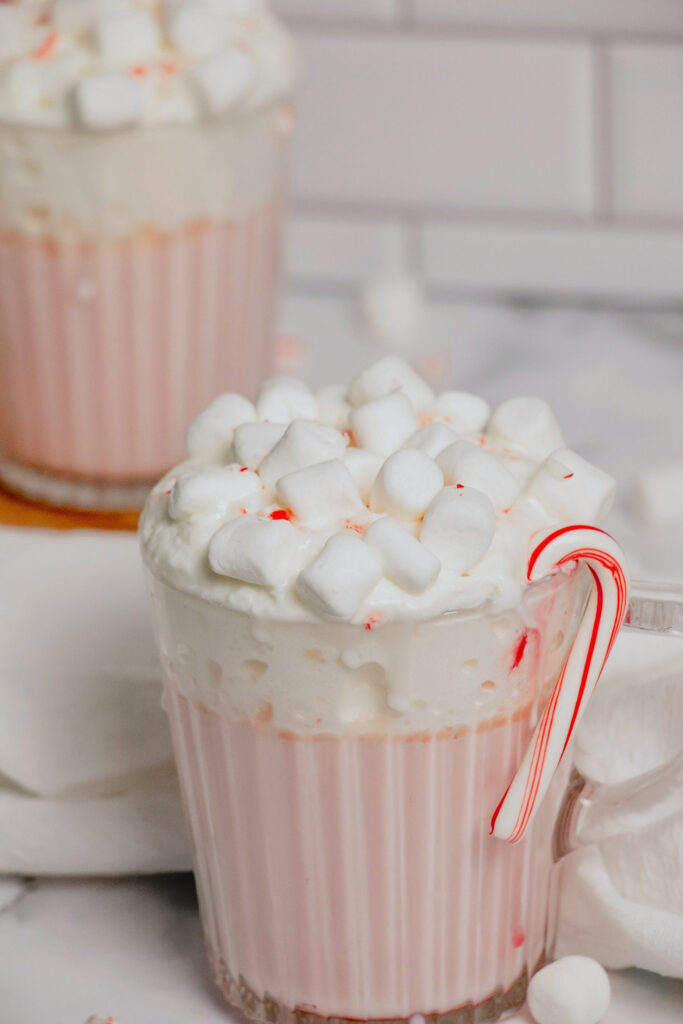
pixel 138 278
pixel 353 876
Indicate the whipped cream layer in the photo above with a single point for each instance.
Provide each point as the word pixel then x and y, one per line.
pixel 103 138
pixel 368 504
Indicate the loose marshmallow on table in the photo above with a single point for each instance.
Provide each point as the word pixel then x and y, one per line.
pixel 194 29
pixel 321 493
pixel 127 37
pixel 108 101
pixel 406 484
pixel 465 463
pixel 657 495
pixel 387 376
pixel 527 425
pixel 569 487
pixel 210 434
pixel 337 582
pixel 302 444
pixel 432 439
pixel 211 489
pixel 363 467
pixel 255 550
pixel 283 399
pixel 222 79
pixel 464 413
pixel 253 441
pixel 405 561
pixel 459 526
pixel 383 424
pixel 574 990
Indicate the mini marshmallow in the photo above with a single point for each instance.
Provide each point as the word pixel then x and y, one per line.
pixel 432 439
pixel 337 582
pixel 657 495
pixel 253 441
pixel 222 79
pixel 387 376
pixel 383 424
pixel 321 493
pixel 194 29
pixel 283 399
pixel 210 434
pixel 406 484
pixel 108 101
pixel 573 990
pixel 467 464
pixel 211 490
pixel 463 412
pixel 333 408
pixel 127 37
pixel 393 307
pixel 256 550
pixel 302 444
pixel 363 467
pixel 405 561
pixel 571 489
pixel 459 526
pixel 527 425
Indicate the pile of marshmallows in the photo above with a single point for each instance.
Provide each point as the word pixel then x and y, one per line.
pixel 118 43
pixel 395 481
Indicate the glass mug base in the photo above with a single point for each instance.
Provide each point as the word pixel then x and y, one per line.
pixel 63 492
pixel 497 1006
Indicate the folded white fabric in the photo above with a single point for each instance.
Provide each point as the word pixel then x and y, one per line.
pixel 87 784
pixel 621 892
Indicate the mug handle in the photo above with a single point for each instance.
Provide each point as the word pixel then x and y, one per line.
pixel 650 607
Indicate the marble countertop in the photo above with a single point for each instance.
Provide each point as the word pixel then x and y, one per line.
pixel 132 948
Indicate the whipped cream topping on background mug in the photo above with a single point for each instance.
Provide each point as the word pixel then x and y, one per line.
pixel 381 613
pixel 142 167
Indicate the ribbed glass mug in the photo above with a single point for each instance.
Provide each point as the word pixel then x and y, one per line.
pixel 138 278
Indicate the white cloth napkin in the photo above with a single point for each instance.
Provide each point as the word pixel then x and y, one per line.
pixel 87 784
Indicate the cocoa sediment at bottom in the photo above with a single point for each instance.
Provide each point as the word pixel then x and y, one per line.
pixel 354 877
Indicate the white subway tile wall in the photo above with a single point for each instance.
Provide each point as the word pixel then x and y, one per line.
pixel 510 147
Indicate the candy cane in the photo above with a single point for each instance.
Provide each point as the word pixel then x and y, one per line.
pixel 580 672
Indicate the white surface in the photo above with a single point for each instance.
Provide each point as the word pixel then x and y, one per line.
pixel 618 15
pixel 133 949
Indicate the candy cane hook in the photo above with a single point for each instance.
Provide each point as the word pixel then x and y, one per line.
pixel 580 672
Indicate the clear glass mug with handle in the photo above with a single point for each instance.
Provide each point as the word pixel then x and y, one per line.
pixel 353 874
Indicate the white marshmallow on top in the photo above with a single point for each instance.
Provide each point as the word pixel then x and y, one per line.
pixel 467 464
pixel 209 436
pixel 527 425
pixel 283 399
pixel 406 484
pixel 302 444
pixel 363 467
pixel 266 552
pixel 387 376
pixel 322 493
pixel 458 527
pixel 127 37
pixel 194 29
pixel 108 101
pixel 571 489
pixel 573 990
pixel 463 412
pixel 222 79
pixel 214 490
pixel 253 441
pixel 333 408
pixel 383 424
pixel 432 439
pixel 405 561
pixel 337 582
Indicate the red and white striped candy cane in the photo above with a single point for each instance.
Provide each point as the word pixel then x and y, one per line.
pixel 580 672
